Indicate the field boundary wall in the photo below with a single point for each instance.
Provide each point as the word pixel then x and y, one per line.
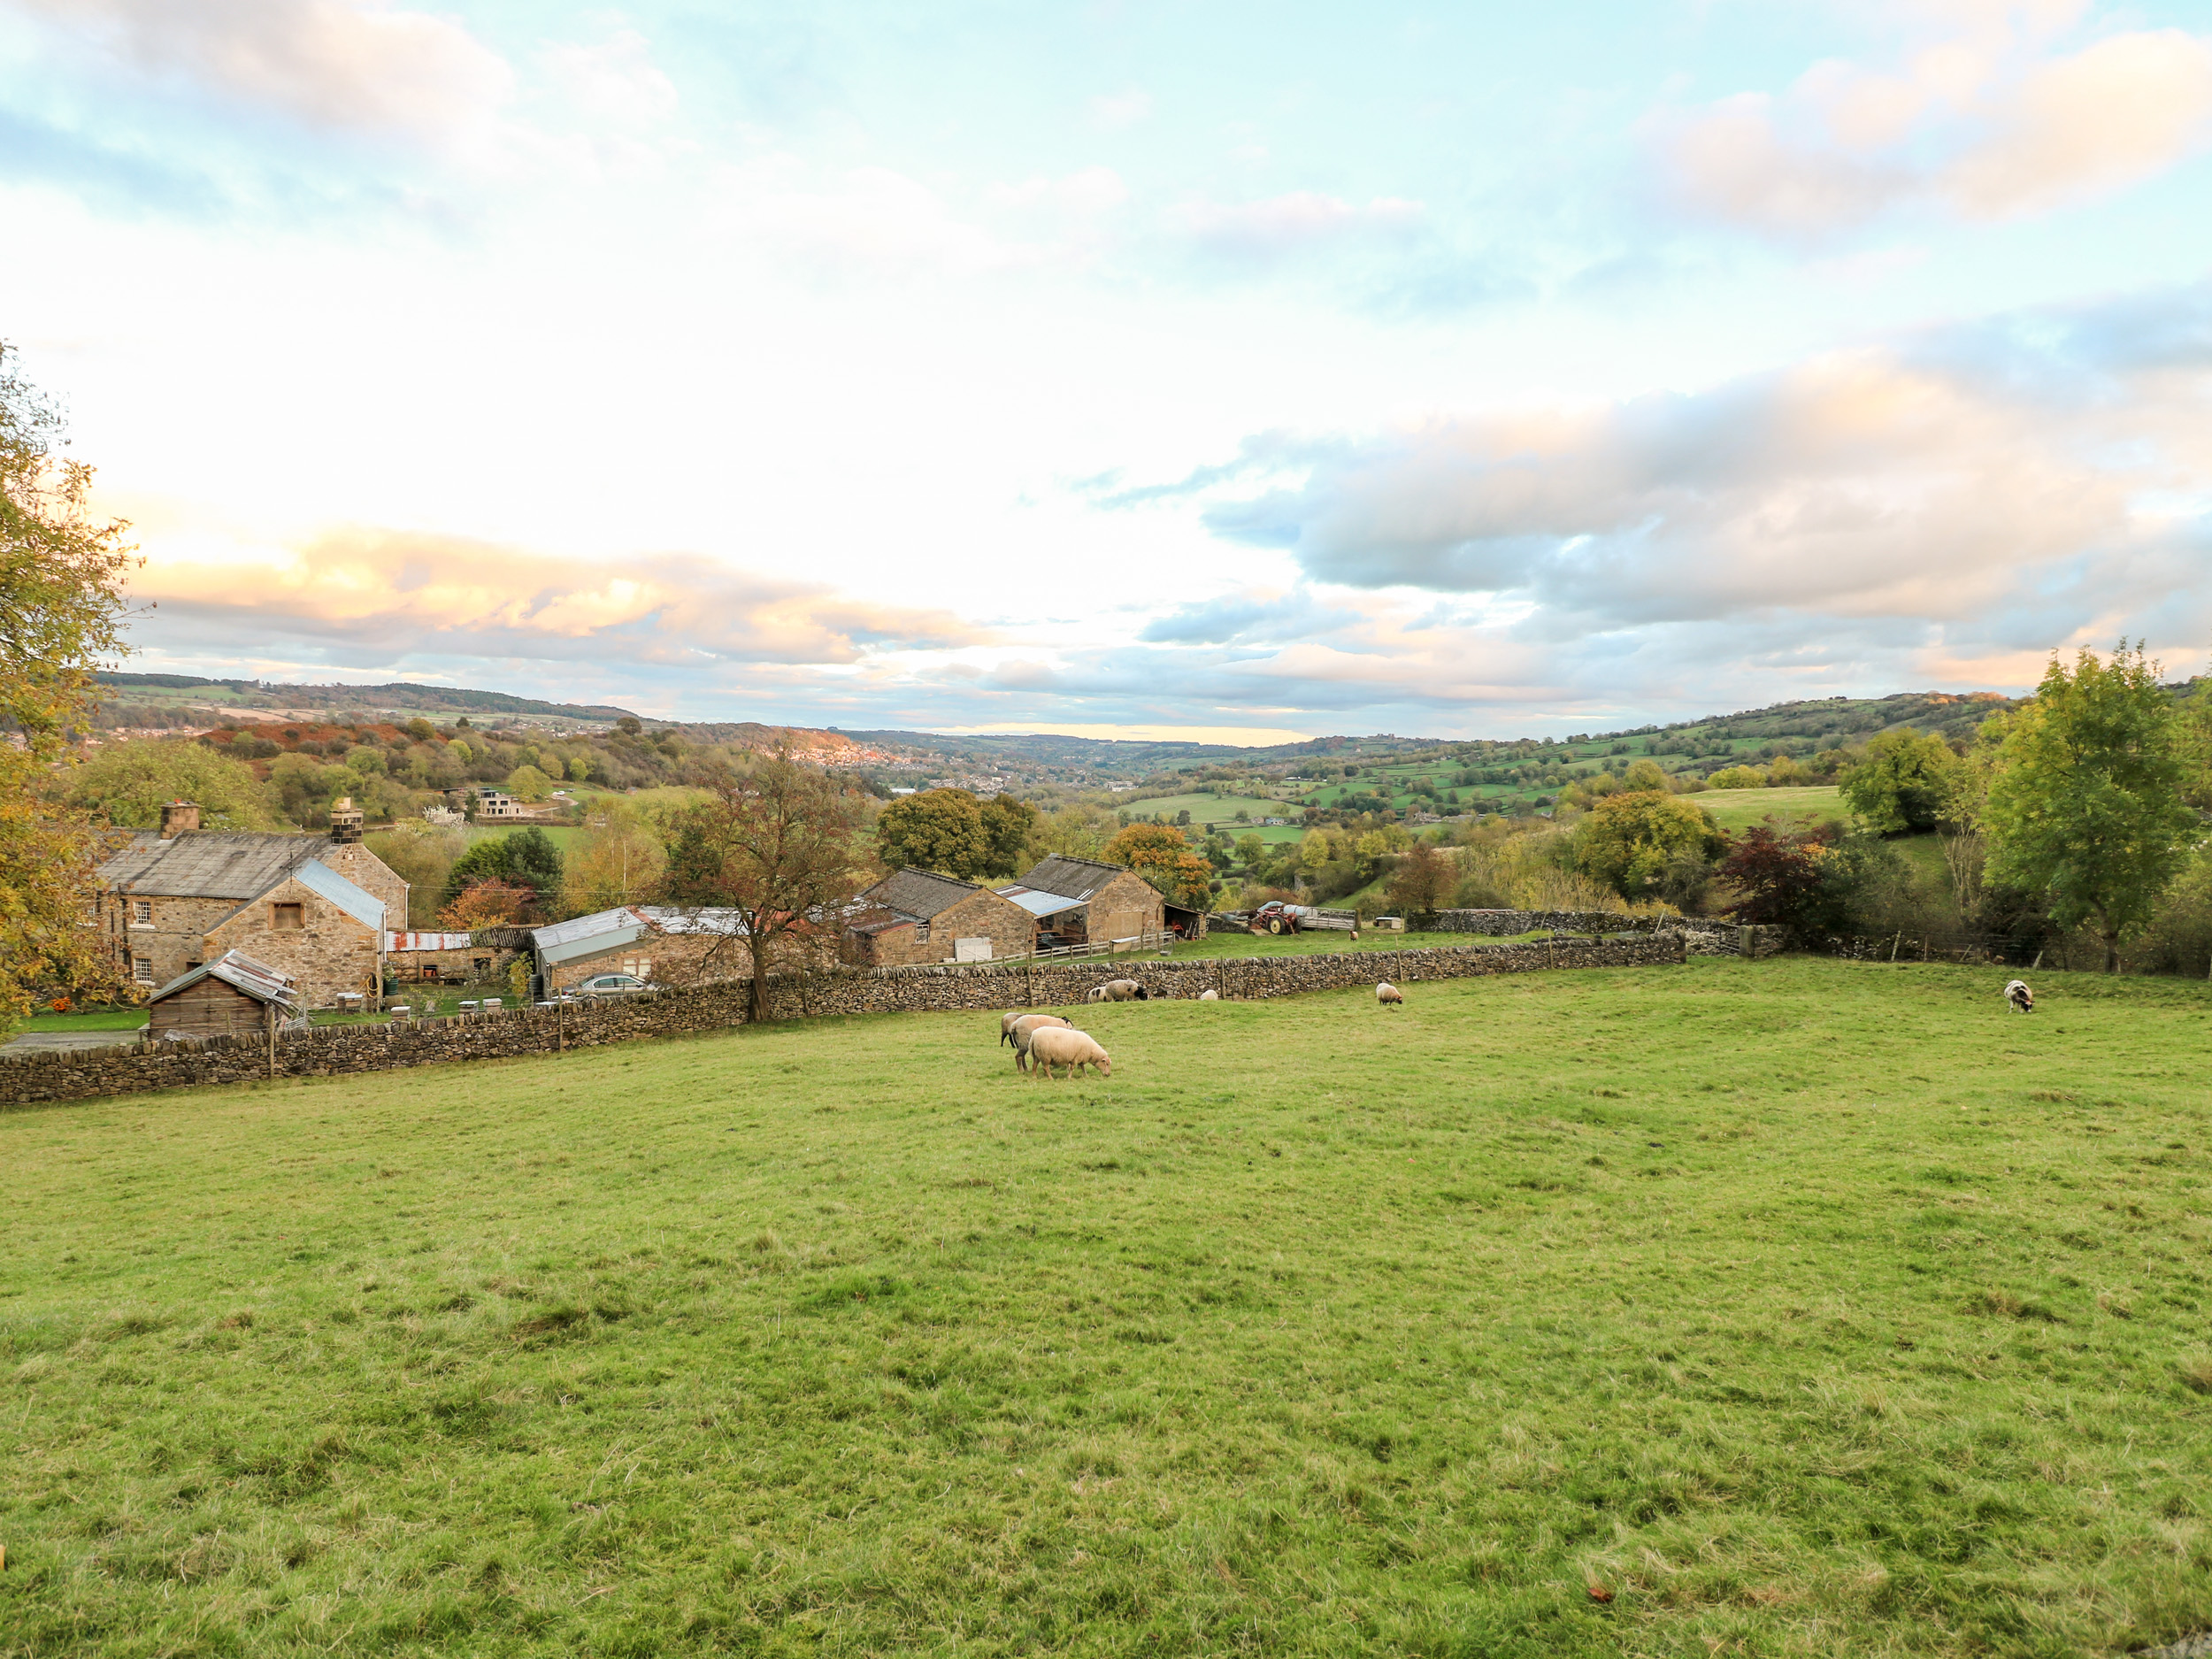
pixel 331 1050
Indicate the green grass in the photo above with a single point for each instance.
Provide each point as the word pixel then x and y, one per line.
pixel 90 1019
pixel 560 834
pixel 1736 810
pixel 1803 1307
pixel 1212 809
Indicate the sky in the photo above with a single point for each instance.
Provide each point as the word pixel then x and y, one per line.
pixel 1219 369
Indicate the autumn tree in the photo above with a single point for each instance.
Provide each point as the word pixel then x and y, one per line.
pixel 524 858
pixel 61 612
pixel 942 829
pixel 488 903
pixel 618 859
pixel 780 846
pixel 1423 880
pixel 1782 877
pixel 1007 825
pixel 1159 854
pixel 2086 806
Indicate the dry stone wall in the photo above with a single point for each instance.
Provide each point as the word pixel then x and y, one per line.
pixel 331 1050
pixel 1505 924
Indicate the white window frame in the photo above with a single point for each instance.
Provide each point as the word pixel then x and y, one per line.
pixel 142 970
pixel 141 912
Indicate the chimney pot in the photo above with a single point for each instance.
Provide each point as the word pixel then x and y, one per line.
pixel 345 819
pixel 178 816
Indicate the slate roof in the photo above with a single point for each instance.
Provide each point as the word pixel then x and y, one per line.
pixel 235 968
pixel 919 894
pixel 1071 878
pixel 208 864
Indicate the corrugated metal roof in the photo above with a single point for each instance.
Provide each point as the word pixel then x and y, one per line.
pixel 670 918
pixel 1071 878
pixel 1037 904
pixel 321 878
pixel 610 930
pixel 257 980
pixel 582 928
pixel 920 894
pixel 208 864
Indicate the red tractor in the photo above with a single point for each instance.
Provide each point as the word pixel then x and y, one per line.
pixel 1275 916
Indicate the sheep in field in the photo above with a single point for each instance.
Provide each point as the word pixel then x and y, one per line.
pixel 1118 990
pixel 2021 999
pixel 1057 1044
pixel 1006 1024
pixel 1389 996
pixel 1209 996
pixel 1027 1027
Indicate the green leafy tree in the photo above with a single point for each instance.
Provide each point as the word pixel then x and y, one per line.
pixel 1637 843
pixel 1643 774
pixel 1251 851
pixel 61 613
pixel 2085 806
pixel 1159 854
pixel 1899 782
pixel 938 829
pixel 127 783
pixel 1008 824
pixel 527 783
pixel 421 856
pixel 523 857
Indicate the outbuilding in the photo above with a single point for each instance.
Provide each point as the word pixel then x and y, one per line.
pixel 1082 902
pixel 233 995
pixel 916 916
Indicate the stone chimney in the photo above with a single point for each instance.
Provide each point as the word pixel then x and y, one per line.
pixel 345 819
pixel 177 816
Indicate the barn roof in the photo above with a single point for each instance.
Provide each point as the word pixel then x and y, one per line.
pixel 242 973
pixel 1071 878
pixel 625 924
pixel 208 864
pixel 920 894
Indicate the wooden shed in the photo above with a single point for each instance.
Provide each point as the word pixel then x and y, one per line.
pixel 231 996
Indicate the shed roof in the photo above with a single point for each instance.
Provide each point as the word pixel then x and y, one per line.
pixel 1038 903
pixel 625 925
pixel 1071 878
pixel 208 864
pixel 920 894
pixel 242 973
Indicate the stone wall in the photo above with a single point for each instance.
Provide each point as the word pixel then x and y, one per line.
pixel 330 953
pixel 329 1050
pixel 1505 924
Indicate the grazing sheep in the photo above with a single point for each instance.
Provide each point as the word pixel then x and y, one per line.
pixel 1389 996
pixel 2021 999
pixel 1209 996
pixel 1055 1045
pixel 1118 990
pixel 1027 1027
pixel 1006 1024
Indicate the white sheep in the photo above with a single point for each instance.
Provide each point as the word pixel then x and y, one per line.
pixel 1006 1024
pixel 1389 996
pixel 2021 999
pixel 1118 990
pixel 1027 1027
pixel 1056 1045
pixel 1209 996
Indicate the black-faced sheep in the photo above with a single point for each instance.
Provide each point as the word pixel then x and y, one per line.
pixel 1060 1044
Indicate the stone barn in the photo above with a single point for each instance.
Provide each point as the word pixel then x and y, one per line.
pixel 915 916
pixel 1082 901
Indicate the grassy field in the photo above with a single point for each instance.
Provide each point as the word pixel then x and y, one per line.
pixel 1798 1307
pixel 89 1019
pixel 1736 810
pixel 1210 809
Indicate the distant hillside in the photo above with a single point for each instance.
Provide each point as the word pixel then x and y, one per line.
pixel 404 694
pixel 1131 756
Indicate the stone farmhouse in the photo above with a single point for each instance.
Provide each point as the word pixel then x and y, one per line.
pixel 1082 901
pixel 310 908
pixel 914 916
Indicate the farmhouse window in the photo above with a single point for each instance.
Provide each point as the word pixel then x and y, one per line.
pixel 284 918
pixel 141 912
pixel 921 932
pixel 142 970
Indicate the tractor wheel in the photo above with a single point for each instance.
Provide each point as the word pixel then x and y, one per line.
pixel 1274 923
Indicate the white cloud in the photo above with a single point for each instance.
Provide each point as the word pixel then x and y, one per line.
pixel 1122 109
pixel 615 80
pixel 1985 120
pixel 364 67
pixel 1284 224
